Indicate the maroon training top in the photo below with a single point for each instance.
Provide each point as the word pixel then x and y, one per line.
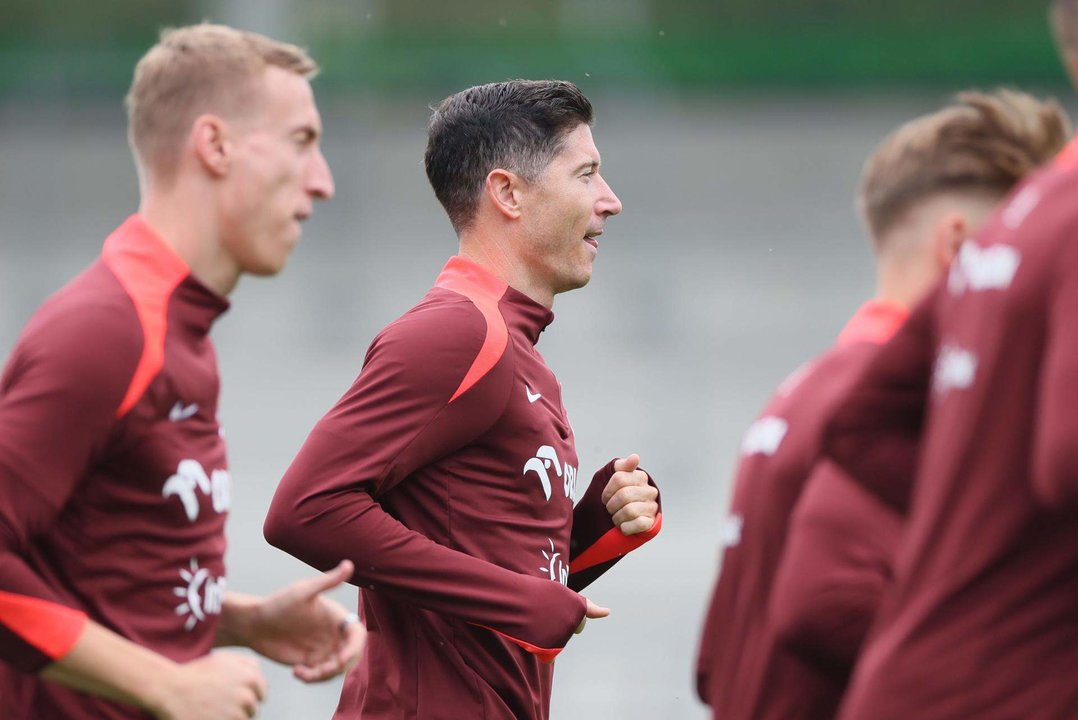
pixel 980 622
pixel 447 474
pixel 742 670
pixel 113 482
pixel 834 569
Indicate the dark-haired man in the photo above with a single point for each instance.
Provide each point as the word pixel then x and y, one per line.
pixel 447 472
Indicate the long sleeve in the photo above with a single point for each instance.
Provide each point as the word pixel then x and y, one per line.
pixel 404 413
pixel 1055 433
pixel 875 431
pixel 597 544
pixel 58 400
pixel 836 563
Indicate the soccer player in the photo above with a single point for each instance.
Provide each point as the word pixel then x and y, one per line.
pixel 114 486
pixel 839 553
pixel 925 188
pixel 447 473
pixel 966 419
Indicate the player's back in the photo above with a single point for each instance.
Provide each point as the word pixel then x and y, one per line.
pixel 743 671
pixel 981 622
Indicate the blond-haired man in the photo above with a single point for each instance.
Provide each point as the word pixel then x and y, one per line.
pixel 965 420
pixel 114 485
pixel 771 652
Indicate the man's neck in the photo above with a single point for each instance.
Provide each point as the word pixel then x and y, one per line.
pixel 494 256
pixel 191 233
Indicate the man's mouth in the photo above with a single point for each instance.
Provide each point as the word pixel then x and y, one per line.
pixel 592 239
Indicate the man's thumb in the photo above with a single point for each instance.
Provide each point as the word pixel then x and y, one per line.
pixel 627 464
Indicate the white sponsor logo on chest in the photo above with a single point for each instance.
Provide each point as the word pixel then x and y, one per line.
pixel 546 461
pixel 554 565
pixel 730 532
pixel 955 369
pixel 977 269
pixel 191 476
pixel 764 436
pixel 201 595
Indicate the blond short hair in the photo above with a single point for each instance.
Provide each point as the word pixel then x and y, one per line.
pixel 194 70
pixel 983 142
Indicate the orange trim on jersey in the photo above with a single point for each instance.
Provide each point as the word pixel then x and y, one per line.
pixel 1068 156
pixel 874 322
pixel 613 544
pixel 485 291
pixel 149 270
pixel 51 628
pixel 547 655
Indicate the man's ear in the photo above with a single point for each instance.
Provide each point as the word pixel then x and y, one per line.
pixel 949 234
pixel 504 189
pixel 213 148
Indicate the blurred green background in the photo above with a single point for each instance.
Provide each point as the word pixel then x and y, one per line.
pixel 57 47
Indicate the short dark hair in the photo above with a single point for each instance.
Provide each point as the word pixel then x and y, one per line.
pixel 518 125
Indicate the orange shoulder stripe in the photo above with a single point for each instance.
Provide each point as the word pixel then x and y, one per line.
pixel 149 271
pixel 485 291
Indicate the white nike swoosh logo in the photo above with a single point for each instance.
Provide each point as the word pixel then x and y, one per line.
pixel 532 397
pixel 180 411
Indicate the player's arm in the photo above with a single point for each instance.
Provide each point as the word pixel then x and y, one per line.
pixel 875 431
pixel 620 511
pixel 59 396
pixel 1055 432
pixel 218 686
pixel 835 565
pixel 403 413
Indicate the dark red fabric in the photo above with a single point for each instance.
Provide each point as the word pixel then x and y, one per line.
pixel 90 515
pixel 743 671
pixel 455 501
pixel 835 567
pixel 980 620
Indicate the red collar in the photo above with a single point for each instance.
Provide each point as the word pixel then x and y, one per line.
pixel 874 322
pixel 469 278
pixel 136 239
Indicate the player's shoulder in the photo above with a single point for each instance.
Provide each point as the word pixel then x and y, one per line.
pixel 89 322
pixel 822 369
pixel 1042 205
pixel 445 332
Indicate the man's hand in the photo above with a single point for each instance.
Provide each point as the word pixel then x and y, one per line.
pixel 297 626
pixel 593 612
pixel 219 686
pixel 628 497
